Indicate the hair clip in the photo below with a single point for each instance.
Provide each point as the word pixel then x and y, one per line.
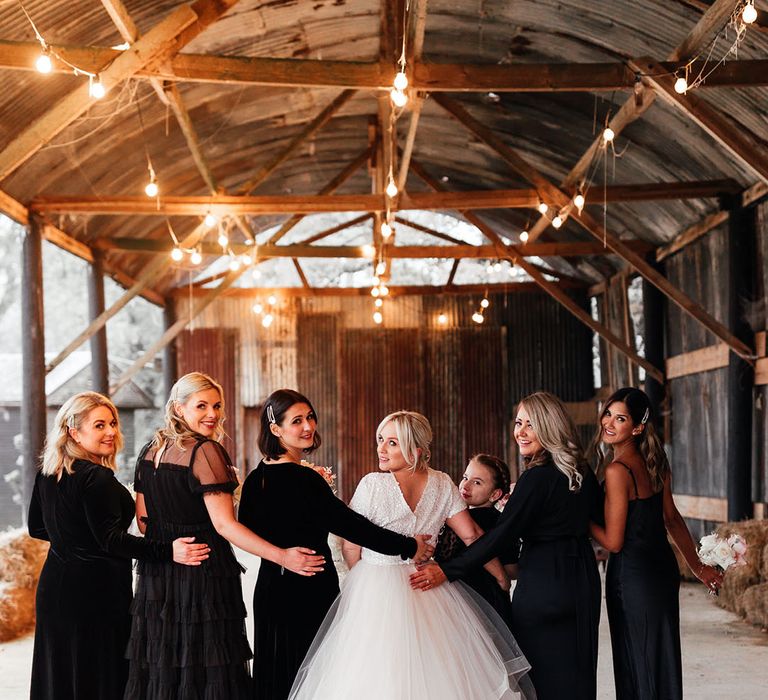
pixel 645 416
pixel 271 415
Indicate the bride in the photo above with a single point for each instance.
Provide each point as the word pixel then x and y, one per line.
pixel 381 640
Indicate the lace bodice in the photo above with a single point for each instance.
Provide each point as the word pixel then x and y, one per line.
pixel 378 498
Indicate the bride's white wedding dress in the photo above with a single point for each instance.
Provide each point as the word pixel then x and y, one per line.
pixel 382 640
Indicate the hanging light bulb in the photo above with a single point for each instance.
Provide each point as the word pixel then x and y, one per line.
pixel 176 254
pixel 43 63
pixel 489 268
pixel 557 222
pixel 485 303
pixel 96 88
pixel 497 267
pixel 579 201
pixel 375 292
pixel 272 300
pixel 223 240
pixel 391 187
pixel 195 258
pixel 381 268
pixel 210 220
pixel 256 273
pixel 749 13
pixel 401 81
pixel 378 303
pixel 234 264
pixel 608 134
pixel 267 320
pixel 257 308
pixel 376 279
pixel 681 86
pixel 246 259
pixel 377 317
pixel 398 97
pixel 442 319
pixel 383 290
pixel 368 250
pixel 524 236
pixel 477 317
pixel 151 189
pixel 386 230
pixel 543 208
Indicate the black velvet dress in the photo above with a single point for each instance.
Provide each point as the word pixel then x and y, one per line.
pixel 449 545
pixel 642 588
pixel 188 636
pixel 291 505
pixel 85 591
pixel 556 602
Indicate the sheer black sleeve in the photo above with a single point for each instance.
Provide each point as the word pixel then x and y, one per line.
pixel 101 501
pixel 35 525
pixel 343 521
pixel 212 468
pixel 523 506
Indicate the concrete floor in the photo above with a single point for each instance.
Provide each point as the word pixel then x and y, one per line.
pixel 723 657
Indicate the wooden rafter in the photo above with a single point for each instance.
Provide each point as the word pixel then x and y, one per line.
pixel 302 276
pixel 302 250
pixel 561 199
pixel 335 229
pixel 425 77
pixel 163 40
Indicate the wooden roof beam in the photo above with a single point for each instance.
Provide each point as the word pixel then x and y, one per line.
pixel 163 40
pixel 560 199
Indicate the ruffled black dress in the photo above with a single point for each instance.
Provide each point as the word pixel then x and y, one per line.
pixel 188 636
pixel 84 593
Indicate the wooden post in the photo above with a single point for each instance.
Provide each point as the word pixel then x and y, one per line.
pixel 170 365
pixel 653 316
pixel 33 403
pixel 741 237
pixel 99 357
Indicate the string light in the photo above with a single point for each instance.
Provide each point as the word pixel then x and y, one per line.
pixel 256 273
pixel 386 230
pixel 391 187
pixel 378 317
pixel 383 290
pixel 524 236
pixel 151 190
pixel 477 317
pixel 497 267
pixel 245 259
pixel 195 258
pixel 485 303
pixel 177 254
pixel 398 97
pixel 210 220
pixel 381 268
pixel 43 64
pixel 401 81
pixel 378 303
pixel 376 280
pixel 96 88
pixel 543 208
pixel 681 86
pixel 375 292
pixel 749 13
pixel 223 240
pixel 368 250
pixel 257 308
pixel 608 134
pixel 442 319
pixel 272 300
pixel 579 201
pixel 267 320
pixel 234 265
pixel 557 222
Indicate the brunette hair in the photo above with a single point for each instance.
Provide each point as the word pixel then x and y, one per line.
pixel 557 434
pixel 647 440
pixel 414 433
pixel 498 468
pixel 61 450
pixel 176 429
pixel 273 411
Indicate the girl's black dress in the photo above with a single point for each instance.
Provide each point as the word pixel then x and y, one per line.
pixel 188 636
pixel 449 545
pixel 556 602
pixel 84 592
pixel 291 505
pixel 642 588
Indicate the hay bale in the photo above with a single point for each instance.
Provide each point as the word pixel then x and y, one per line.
pixel 755 603
pixel 21 559
pixel 755 534
pixel 763 564
pixel 736 581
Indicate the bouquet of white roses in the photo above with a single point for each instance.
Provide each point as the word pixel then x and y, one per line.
pixel 722 552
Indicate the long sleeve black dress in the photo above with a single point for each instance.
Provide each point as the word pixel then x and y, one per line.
pixel 556 602
pixel 642 588
pixel 84 592
pixel 291 505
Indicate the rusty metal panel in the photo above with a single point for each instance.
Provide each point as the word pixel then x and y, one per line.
pixel 214 351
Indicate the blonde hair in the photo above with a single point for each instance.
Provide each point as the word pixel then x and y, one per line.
pixel 557 434
pixel 414 433
pixel 61 450
pixel 176 429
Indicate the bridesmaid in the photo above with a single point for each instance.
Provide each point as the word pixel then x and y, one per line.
pixel 287 503
pixel 84 593
pixel 643 579
pixel 556 602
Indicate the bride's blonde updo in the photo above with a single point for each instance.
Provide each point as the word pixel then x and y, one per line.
pixel 414 434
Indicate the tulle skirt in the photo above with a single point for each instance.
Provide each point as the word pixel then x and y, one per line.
pixel 382 640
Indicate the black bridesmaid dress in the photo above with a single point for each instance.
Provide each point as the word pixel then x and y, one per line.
pixel 291 505
pixel 85 588
pixel 556 601
pixel 642 596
